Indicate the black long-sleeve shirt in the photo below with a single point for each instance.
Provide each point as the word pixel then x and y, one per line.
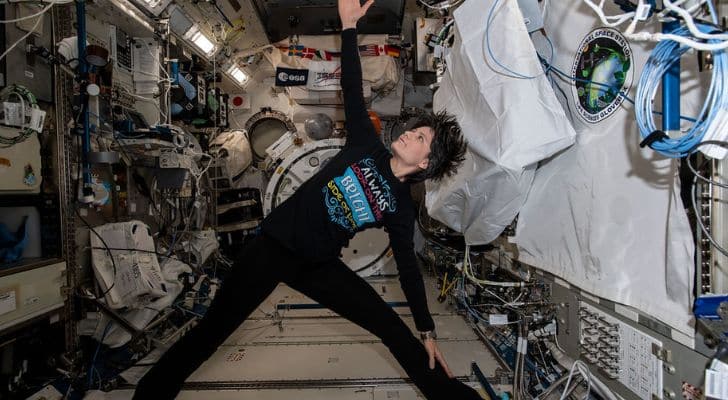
pixel 356 190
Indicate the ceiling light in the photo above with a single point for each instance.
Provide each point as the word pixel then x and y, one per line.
pixel 200 40
pixel 130 10
pixel 238 74
pixel 153 6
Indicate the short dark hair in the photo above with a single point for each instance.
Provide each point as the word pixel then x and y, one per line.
pixel 447 150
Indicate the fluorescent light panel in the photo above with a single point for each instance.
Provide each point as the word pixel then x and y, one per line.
pixel 200 40
pixel 130 10
pixel 153 6
pixel 238 74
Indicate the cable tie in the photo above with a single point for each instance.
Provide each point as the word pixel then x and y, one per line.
pixel 655 136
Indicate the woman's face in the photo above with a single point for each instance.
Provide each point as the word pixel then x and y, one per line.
pixel 413 147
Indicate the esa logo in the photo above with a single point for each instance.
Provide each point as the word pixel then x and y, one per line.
pixel 284 77
pixel 291 77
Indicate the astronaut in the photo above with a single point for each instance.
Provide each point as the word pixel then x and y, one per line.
pixel 363 186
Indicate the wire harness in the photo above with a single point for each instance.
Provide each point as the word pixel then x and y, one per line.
pixel 664 56
pixel 28 104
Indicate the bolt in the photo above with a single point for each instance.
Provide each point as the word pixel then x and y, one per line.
pixel 669 368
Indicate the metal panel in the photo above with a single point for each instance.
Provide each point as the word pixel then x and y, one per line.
pixel 685 366
pixel 313 354
pixel 334 330
pixel 319 17
pixel 621 351
pixel 31 293
pixel 313 345
pixel 387 287
pixel 423 55
pixel 313 362
pixel 21 161
pixel 278 394
pixel 29 71
pixel 65 154
pixel 353 393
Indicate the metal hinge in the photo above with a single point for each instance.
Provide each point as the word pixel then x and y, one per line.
pixel 662 353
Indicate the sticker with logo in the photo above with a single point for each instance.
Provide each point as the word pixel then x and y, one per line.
pixel 325 75
pixel 602 73
pixel 291 77
pixel 358 197
pixel 29 176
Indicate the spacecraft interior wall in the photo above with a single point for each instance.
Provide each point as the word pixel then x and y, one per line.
pixel 381 72
pixel 606 215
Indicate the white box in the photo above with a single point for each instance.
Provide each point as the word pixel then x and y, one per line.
pixel 28 294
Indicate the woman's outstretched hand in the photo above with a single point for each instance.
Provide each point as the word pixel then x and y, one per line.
pixel 435 355
pixel 351 10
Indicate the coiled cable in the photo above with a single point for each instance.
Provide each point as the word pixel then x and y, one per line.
pixel 663 57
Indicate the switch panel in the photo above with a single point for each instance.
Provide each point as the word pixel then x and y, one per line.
pixel 621 352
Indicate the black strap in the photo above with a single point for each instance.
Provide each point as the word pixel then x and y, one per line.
pixel 656 136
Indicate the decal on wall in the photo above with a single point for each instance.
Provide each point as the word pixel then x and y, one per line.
pixel 324 75
pixel 291 77
pixel 602 74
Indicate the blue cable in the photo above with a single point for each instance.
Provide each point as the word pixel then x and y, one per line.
pixel 623 94
pixel 665 54
pixel 92 368
pixel 171 246
pixel 462 299
pixel 713 13
pixel 515 74
pixel 553 54
pixel 98 375
pixel 565 75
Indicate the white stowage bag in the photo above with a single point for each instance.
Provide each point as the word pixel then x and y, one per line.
pixel 378 72
pixel 510 123
pixel 133 276
pixel 233 149
pixel 481 200
pixel 606 215
pixel 103 328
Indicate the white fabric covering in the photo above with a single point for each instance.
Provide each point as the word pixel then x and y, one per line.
pixel 100 326
pixel 606 215
pixel 381 72
pixel 480 200
pixel 510 124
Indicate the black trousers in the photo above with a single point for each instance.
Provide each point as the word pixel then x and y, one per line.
pixel 260 266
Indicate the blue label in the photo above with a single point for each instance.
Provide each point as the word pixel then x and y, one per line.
pixel 354 196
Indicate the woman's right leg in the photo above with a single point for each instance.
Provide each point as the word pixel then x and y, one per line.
pixel 337 287
pixel 251 280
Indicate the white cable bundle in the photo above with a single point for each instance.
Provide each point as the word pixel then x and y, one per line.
pixel 39 14
pixel 687 10
pixel 24 114
pixel 611 21
pixel 713 118
pixel 568 363
pixel 468 271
